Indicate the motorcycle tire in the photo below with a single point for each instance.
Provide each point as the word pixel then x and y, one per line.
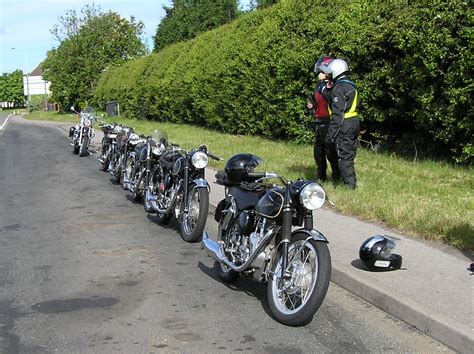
pixel 75 148
pixel 192 225
pixel 104 156
pixel 163 218
pixel 288 301
pixel 126 172
pixel 137 197
pixel 83 148
pixel 226 274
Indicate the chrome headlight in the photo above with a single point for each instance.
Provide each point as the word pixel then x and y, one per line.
pixel 199 159
pixel 312 196
pixel 87 122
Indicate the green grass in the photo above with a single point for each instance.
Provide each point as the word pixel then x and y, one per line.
pixel 425 199
pixel 52 116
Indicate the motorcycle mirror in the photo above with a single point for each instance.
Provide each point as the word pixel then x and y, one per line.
pixel 72 109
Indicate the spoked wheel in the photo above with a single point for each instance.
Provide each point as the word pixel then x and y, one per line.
pixel 127 173
pixel 75 147
pixel 194 221
pixel 117 170
pixel 295 299
pixel 224 272
pixel 104 156
pixel 83 148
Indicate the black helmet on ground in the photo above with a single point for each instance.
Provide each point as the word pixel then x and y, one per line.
pixel 239 166
pixel 376 254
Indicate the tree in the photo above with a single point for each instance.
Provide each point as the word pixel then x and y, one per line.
pixel 186 19
pixel 101 41
pixel 11 88
pixel 260 4
pixel 71 22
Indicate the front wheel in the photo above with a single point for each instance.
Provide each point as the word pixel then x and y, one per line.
pixel 75 147
pixel 194 221
pixel 127 172
pixel 83 148
pixel 105 156
pixel 295 299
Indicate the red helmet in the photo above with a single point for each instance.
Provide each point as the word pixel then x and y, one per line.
pixel 324 60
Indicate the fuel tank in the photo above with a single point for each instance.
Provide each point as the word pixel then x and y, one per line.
pixel 271 204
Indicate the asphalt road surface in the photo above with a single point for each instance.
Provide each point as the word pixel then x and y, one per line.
pixel 84 269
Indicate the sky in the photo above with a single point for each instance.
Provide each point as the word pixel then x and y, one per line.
pixel 25 26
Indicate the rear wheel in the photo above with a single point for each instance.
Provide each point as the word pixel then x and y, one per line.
pixel 295 299
pixel 194 221
pixel 83 148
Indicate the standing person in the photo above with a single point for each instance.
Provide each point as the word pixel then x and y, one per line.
pixel 344 127
pixel 318 106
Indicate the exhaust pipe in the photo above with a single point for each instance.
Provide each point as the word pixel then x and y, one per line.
pixel 215 250
pixel 128 184
pixel 212 247
pixel 154 202
pixel 151 199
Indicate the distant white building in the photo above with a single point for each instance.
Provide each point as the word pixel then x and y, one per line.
pixel 34 84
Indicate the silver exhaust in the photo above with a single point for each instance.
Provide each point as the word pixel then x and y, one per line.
pixel 215 250
pixel 151 199
pixel 154 203
pixel 128 184
pixel 212 247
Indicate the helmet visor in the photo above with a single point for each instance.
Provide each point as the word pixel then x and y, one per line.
pixel 386 251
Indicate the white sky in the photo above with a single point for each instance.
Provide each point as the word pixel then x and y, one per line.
pixel 25 25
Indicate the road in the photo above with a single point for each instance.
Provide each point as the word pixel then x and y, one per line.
pixel 84 269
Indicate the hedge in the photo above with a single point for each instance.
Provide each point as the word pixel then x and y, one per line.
pixel 412 62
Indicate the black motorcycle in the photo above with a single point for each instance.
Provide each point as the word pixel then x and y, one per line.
pixel 109 143
pixel 255 238
pixel 125 140
pixel 141 162
pixel 177 186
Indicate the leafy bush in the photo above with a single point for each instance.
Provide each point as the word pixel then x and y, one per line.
pixel 412 62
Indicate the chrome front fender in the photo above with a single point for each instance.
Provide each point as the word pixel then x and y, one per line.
pixel 201 183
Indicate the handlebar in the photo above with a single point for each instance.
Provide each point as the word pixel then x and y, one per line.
pixel 214 157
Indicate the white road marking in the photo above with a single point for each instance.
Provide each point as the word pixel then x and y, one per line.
pixel 6 121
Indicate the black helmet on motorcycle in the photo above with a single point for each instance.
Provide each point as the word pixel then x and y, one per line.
pixel 238 167
pixel 376 254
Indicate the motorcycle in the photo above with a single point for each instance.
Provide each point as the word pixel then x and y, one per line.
pixel 255 238
pixel 177 187
pixel 126 140
pixel 141 161
pixel 109 143
pixel 83 132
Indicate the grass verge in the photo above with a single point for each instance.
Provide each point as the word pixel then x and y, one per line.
pixel 426 199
